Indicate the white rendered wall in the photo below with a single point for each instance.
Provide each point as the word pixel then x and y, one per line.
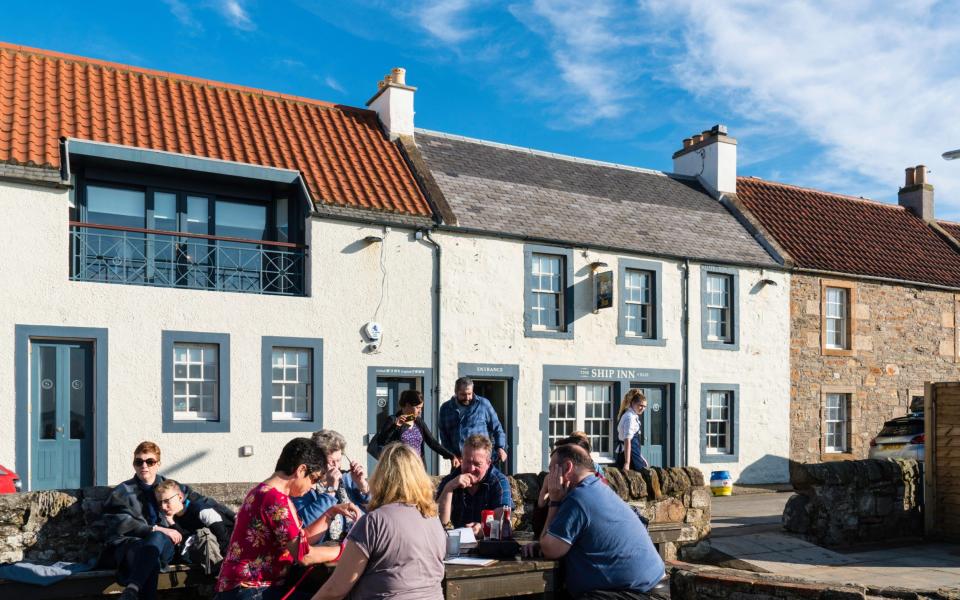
pixel 482 322
pixel 345 283
pixel 716 167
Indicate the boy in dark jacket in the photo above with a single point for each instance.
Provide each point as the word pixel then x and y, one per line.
pixel 189 516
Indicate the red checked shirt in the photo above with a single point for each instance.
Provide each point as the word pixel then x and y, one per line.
pixel 257 555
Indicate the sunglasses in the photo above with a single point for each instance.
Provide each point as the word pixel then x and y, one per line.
pixel 139 462
pixel 169 498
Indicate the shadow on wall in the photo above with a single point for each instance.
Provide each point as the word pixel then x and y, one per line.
pixel 171 469
pixel 767 469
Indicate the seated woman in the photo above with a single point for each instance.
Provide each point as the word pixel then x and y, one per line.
pixel 268 538
pixel 396 550
pixel 407 426
pixel 335 486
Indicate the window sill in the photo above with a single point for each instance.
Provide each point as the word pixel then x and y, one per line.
pixel 836 351
pixel 834 456
pixel 548 334
pixel 718 458
pixel 289 425
pixel 196 426
pixel 715 345
pixel 629 340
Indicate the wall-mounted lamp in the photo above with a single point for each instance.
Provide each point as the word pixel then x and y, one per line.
pixel 373 239
pixel 768 282
pixel 598 264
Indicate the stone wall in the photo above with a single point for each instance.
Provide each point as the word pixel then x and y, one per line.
pixel 849 502
pixel 902 337
pixel 694 582
pixel 64 524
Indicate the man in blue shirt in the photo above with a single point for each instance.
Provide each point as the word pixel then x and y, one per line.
pixel 476 486
pixel 466 414
pixel 606 549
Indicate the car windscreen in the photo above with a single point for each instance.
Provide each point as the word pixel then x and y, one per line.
pixel 898 428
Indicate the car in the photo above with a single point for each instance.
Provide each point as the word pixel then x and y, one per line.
pixel 902 437
pixel 9 481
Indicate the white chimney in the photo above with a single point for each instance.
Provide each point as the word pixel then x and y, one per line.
pixel 711 157
pixel 393 103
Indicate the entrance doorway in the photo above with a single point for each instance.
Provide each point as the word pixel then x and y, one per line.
pixel 657 425
pixel 61 423
pixel 386 386
pixel 500 394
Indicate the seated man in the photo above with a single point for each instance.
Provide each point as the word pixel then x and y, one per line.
pixel 135 540
pixel 189 516
pixel 476 486
pixel 606 550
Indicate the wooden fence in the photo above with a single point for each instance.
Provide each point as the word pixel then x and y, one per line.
pixel 942 431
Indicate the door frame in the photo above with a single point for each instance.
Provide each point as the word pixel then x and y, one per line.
pixel 669 433
pixel 430 416
pixel 23 334
pixel 622 377
pixel 511 375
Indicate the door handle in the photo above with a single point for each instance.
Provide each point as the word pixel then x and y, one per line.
pixel 59 429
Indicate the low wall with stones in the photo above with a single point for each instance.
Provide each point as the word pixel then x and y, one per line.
pixel 65 524
pixel 855 501
pixel 694 582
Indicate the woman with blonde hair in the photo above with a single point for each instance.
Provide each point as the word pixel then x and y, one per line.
pixel 630 431
pixel 396 550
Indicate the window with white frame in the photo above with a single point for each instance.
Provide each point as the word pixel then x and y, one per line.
pixel 291 380
pixel 835 423
pixel 195 382
pixel 638 303
pixel 836 318
pixel 547 284
pixel 718 303
pixel 583 407
pixel 718 422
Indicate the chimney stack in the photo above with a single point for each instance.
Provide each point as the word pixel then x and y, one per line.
pixel 393 103
pixel 916 195
pixel 711 157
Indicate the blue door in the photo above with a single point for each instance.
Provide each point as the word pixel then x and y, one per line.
pixel 61 392
pixel 656 420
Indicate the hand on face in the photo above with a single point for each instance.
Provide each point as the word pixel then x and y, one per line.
pixel 556 485
pixel 357 470
pixel 462 481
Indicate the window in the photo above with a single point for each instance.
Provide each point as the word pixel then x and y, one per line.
pixel 548 295
pixel 719 306
pixel 639 320
pixel 196 381
pixel 720 422
pixel 291 384
pixel 835 413
pixel 836 318
pixel 583 407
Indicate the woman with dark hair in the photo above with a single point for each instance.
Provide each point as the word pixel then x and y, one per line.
pixel 268 538
pixel 407 426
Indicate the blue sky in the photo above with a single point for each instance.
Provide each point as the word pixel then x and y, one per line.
pixel 836 95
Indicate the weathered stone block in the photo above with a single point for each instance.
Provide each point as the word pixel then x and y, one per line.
pixel 669 510
pixel 700 498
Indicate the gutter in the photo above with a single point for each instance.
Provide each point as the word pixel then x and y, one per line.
pixel 685 377
pixel 437 256
pixel 842 275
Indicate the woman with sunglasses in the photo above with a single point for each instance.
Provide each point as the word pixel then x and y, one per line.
pixel 269 538
pixel 407 426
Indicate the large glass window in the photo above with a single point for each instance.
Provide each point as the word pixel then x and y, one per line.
pixel 718 422
pixel 638 303
pixel 836 318
pixel 116 206
pixel 195 382
pixel 291 382
pixel 718 307
pixel 835 422
pixel 547 286
pixel 583 407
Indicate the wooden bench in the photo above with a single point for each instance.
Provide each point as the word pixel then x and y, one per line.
pixel 93 584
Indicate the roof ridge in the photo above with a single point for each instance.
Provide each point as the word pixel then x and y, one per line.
pixel 28 50
pixel 547 154
pixel 869 201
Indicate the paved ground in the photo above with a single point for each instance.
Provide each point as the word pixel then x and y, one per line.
pixel 747 529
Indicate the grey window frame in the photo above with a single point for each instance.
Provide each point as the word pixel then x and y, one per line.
pixel 567 296
pixel 734 413
pixel 171 425
pixel 267 422
pixel 734 275
pixel 656 321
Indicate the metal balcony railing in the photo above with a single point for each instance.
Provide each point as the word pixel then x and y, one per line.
pixel 135 256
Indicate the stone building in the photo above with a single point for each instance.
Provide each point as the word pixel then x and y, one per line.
pixel 873 306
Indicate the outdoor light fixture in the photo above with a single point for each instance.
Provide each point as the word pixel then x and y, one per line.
pixel 952 155
pixel 373 239
pixel 598 264
pixel 768 282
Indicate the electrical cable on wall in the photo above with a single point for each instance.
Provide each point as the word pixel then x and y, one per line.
pixel 377 343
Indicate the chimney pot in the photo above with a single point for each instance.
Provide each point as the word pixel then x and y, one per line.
pixel 399 75
pixel 706 134
pixel 920 175
pixel 696 139
pixel 908 181
pixel 687 142
pixel 719 129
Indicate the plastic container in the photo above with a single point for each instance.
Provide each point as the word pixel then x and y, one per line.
pixel 486 517
pixel 721 484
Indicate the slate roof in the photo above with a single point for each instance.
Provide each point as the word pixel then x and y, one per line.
pixel 535 195
pixel 341 151
pixel 832 232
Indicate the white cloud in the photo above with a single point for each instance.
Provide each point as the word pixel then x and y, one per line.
pixel 444 20
pixel 183 14
pixel 236 14
pixel 333 84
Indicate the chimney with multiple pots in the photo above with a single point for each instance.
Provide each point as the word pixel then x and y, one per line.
pixel 393 103
pixel 711 157
pixel 916 195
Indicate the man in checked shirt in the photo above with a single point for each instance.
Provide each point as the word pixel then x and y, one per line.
pixel 467 414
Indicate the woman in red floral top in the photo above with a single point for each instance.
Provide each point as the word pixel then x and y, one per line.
pixel 268 538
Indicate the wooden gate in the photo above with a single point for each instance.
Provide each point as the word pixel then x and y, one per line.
pixel 942 431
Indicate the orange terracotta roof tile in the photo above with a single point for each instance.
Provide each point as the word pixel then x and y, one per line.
pixel 832 232
pixel 341 151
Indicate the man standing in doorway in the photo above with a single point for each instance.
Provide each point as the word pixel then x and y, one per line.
pixel 467 414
